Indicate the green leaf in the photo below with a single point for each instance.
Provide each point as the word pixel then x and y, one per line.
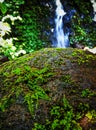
pixel 3 8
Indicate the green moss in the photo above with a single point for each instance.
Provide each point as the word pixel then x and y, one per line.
pixel 81 57
pixel 87 93
pixel 48 81
pixel 32 97
pixel 67 79
pixel 61 117
pixel 83 107
pixel 23 77
pixel 31 91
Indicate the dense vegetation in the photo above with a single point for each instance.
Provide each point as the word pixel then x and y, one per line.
pixel 25 25
pixel 83 25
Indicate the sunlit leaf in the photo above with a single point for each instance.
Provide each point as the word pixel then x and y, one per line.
pixel 3 8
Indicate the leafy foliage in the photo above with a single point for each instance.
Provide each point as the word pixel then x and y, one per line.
pixel 7 46
pixel 29 32
pixel 84 31
pixel 3 8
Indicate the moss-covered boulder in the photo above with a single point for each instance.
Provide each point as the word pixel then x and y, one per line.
pixel 51 89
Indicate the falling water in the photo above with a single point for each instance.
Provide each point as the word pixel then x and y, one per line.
pixel 61 38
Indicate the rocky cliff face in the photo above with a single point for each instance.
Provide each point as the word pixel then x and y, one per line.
pixel 49 89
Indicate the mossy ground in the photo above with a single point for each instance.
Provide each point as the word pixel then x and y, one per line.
pixel 36 90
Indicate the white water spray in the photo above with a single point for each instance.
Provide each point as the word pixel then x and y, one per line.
pixel 62 39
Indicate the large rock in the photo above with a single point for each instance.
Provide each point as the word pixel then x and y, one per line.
pixel 51 89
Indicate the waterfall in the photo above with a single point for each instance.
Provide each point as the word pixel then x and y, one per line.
pixel 62 40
